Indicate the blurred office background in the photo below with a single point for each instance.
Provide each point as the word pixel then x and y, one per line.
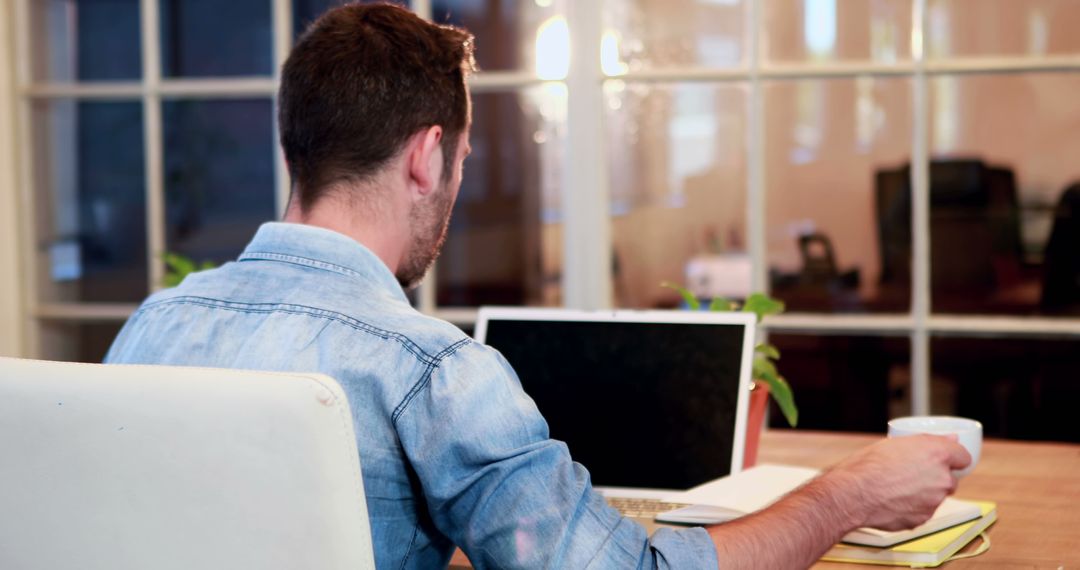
pixel 903 173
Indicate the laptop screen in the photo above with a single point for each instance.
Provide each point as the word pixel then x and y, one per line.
pixel 640 404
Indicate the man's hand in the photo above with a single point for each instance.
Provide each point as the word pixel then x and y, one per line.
pixel 893 484
pixel 899 483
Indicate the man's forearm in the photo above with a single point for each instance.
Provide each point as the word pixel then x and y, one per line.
pixel 794 532
pixel 893 484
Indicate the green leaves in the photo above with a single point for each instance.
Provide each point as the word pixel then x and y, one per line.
pixel 765 371
pixel 722 305
pixel 763 305
pixel 768 351
pixel 177 267
pixel 687 296
pixel 765 354
pixel 718 304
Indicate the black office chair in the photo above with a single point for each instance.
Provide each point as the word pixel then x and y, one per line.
pixel 975 245
pixel 1061 262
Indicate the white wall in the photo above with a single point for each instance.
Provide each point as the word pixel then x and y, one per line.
pixel 12 311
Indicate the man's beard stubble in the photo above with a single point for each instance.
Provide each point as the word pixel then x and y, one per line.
pixel 429 222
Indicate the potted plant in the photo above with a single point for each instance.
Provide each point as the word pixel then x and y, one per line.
pixel 178 266
pixel 767 380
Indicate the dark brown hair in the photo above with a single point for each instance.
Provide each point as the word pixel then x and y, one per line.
pixel 361 81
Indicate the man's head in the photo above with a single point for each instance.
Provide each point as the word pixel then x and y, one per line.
pixel 370 94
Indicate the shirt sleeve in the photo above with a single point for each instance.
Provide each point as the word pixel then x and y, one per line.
pixel 507 494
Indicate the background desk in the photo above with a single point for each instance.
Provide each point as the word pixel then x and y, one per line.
pixel 1036 487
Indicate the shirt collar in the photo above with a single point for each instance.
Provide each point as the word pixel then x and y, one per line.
pixel 321 248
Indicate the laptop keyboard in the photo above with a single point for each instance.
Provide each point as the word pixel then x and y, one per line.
pixel 641 508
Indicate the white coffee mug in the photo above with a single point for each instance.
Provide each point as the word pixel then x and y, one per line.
pixel 968 433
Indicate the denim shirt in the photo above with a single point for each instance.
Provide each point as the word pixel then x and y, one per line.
pixel 452 451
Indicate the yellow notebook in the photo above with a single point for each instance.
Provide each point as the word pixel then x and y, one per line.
pixel 929 551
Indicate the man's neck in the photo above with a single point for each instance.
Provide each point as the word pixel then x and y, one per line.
pixel 386 240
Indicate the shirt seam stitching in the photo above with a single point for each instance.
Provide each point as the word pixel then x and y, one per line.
pixel 412 542
pixel 407 343
pixel 610 538
pixel 271 256
pixel 425 379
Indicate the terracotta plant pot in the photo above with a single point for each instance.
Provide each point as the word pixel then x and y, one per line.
pixel 755 422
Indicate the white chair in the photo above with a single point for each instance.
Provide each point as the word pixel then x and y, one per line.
pixel 151 467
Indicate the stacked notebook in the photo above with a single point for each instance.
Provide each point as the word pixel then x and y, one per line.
pixel 954 524
pixel 927 552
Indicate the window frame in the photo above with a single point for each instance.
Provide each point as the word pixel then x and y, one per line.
pixel 587 282
pixel 13 322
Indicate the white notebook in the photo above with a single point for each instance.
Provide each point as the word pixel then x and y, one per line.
pixel 758 487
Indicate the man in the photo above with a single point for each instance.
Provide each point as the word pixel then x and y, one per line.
pixel 374 116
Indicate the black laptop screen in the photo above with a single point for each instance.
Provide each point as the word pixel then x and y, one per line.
pixel 648 405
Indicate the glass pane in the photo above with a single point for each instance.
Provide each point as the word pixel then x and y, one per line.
pixel 89 182
pixel 827 30
pixel 1017 388
pixel 208 38
pixel 678 190
pixel 505 240
pixel 511 34
pixel 845 383
pixel 77 342
pixel 644 34
pixel 827 143
pixel 85 40
pixel 219 175
pixel 1003 191
pixel 965 28
pixel 307 11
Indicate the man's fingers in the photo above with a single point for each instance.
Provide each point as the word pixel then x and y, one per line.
pixel 953 483
pixel 959 457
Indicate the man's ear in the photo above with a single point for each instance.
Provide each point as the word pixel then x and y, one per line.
pixel 425 159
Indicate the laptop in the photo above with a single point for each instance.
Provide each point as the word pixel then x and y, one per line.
pixel 650 402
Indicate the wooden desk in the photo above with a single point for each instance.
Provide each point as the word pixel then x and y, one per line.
pixel 1036 487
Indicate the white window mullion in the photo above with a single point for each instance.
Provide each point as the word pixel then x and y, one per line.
pixel 999 64
pixel 495 81
pixel 425 292
pixel 283 30
pixel 755 156
pixel 854 69
pixel 13 309
pixel 920 219
pixel 83 312
pixel 812 323
pixel 426 300
pixel 423 9
pixel 153 142
pixel 587 246
pixel 23 77
pixel 238 87
pixel 283 25
pixel 87 90
pixel 755 152
pixel 21 31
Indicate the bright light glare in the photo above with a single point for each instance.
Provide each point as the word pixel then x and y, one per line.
pixel 553 49
pixel 609 55
pixel 552 103
pixel 820 26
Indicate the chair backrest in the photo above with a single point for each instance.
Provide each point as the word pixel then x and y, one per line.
pixel 1061 264
pixel 125 467
pixel 974 228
